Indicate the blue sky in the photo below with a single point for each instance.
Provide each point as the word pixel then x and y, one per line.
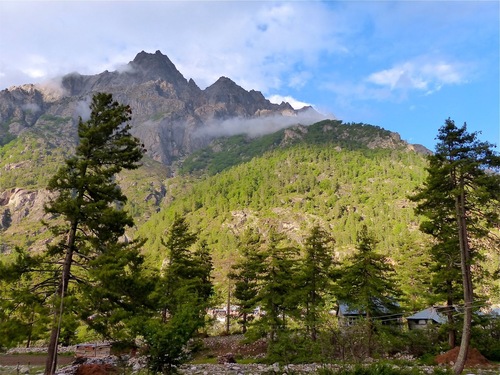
pixel 403 65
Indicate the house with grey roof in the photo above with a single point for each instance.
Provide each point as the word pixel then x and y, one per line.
pixel 427 317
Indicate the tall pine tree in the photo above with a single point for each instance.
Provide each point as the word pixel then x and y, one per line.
pixel 182 295
pixel 463 187
pixel 88 200
pixel 278 294
pixel 368 283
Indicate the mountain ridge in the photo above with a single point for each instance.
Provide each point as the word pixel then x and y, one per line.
pixel 167 109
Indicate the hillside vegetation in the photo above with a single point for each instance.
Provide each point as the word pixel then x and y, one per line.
pixel 227 152
pixel 321 180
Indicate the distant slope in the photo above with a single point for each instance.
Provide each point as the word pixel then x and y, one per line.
pixel 230 151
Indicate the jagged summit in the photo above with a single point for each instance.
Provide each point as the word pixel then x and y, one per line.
pixel 144 68
pixel 224 88
pixel 153 66
pixel 223 82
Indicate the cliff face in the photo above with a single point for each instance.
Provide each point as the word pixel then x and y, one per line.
pixel 167 109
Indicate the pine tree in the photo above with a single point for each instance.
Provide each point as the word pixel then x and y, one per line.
pixel 463 186
pixel 178 267
pixel 246 275
pixel 279 294
pixel 441 225
pixel 368 284
pixel 117 295
pixel 182 295
pixel 24 311
pixel 203 267
pixel 315 276
pixel 88 200
pixel 445 267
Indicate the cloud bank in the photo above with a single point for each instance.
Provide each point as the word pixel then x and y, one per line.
pixel 259 126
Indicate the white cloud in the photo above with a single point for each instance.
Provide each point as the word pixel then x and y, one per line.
pixel 260 125
pixel 35 73
pixel 419 75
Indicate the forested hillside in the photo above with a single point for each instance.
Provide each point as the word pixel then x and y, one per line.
pixel 290 223
pixel 297 187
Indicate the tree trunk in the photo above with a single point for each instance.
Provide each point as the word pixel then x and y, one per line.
pixel 467 283
pixel 51 363
pixel 452 332
pixel 312 313
pixel 370 331
pixel 244 319
pixel 228 310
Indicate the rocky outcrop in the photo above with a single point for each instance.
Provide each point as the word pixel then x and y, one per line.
pixel 16 204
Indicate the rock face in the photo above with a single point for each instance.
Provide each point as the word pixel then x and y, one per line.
pixel 167 110
pixel 16 204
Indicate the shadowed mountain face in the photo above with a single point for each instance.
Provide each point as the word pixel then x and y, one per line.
pixel 171 115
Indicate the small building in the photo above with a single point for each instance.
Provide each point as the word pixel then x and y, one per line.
pixel 387 316
pixel 93 350
pixel 430 316
pixel 347 314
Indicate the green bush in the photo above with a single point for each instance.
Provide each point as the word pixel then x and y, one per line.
pixel 422 342
pixel 486 338
pixel 294 347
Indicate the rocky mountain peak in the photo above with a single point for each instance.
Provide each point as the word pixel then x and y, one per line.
pixel 237 100
pixel 153 66
pixel 224 85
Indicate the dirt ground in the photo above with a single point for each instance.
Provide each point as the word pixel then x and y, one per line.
pixel 474 358
pixel 223 345
pixel 31 359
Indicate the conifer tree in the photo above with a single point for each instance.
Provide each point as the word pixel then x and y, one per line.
pixel 279 294
pixel 117 294
pixel 182 294
pixel 203 267
pixel 315 276
pixel 24 313
pixel 178 267
pixel 368 284
pixel 445 266
pixel 87 198
pixel 246 274
pixel 463 187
